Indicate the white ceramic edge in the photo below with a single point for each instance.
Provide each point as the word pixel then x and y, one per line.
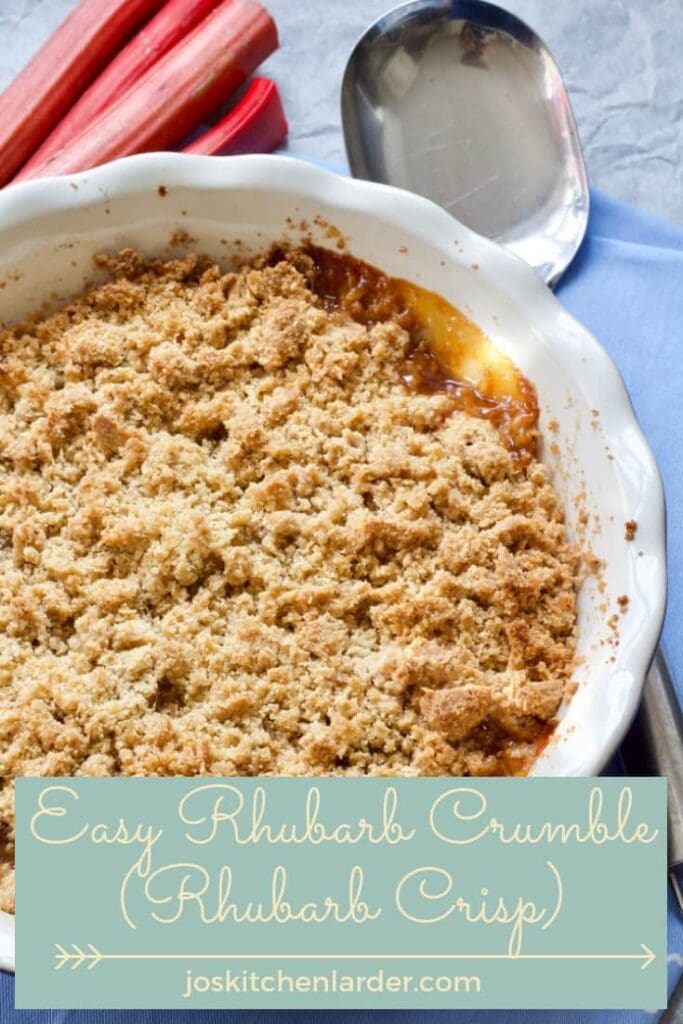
pixel 26 202
pixel 6 942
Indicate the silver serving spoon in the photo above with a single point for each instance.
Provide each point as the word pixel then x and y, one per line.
pixel 461 101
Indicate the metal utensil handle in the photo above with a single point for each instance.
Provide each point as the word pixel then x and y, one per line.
pixel 654 746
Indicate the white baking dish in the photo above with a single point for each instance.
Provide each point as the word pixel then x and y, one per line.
pixel 50 230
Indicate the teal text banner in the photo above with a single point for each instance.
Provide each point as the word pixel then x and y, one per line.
pixel 341 893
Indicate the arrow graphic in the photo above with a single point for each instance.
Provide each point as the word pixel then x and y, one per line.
pixel 79 957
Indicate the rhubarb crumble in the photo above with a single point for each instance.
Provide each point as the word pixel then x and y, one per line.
pixel 252 524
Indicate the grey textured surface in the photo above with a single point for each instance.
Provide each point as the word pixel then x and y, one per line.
pixel 621 60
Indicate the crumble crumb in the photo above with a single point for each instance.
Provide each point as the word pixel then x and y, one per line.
pixel 179 238
pixel 630 529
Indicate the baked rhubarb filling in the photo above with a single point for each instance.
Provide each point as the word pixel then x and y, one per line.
pixel 284 519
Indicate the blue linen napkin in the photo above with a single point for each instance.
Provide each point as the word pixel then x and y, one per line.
pixel 626 285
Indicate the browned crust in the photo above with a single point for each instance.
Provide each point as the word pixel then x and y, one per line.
pixel 233 542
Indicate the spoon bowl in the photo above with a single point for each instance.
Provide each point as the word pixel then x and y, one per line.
pixel 462 102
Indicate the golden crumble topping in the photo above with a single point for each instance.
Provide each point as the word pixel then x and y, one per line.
pixel 232 541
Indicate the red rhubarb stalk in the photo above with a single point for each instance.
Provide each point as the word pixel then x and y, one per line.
pixel 256 124
pixel 66 65
pixel 168 27
pixel 179 92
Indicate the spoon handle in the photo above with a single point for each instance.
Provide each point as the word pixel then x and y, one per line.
pixel 654 746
